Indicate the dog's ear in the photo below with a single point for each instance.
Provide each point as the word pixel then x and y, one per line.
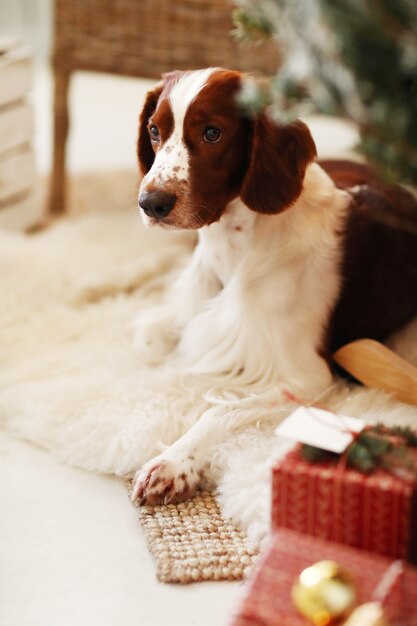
pixel 279 155
pixel 145 151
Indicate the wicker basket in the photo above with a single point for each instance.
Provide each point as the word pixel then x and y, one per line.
pixel 140 38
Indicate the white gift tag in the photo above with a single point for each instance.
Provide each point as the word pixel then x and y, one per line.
pixel 321 429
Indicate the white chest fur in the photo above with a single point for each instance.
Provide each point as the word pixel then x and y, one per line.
pixel 281 278
pixel 225 243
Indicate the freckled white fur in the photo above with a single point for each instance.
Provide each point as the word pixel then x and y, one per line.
pixel 251 309
pixel 171 160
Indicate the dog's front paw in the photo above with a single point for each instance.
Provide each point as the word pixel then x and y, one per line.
pixel 154 335
pixel 165 481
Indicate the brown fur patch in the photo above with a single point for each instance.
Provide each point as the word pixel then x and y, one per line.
pixel 163 119
pixel 216 169
pixel 379 266
pixel 279 157
pixel 145 150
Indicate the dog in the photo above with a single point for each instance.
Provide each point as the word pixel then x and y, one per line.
pixel 294 259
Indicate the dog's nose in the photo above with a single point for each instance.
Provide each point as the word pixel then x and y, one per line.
pixel 156 203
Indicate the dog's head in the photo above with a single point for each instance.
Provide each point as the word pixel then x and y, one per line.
pixel 198 151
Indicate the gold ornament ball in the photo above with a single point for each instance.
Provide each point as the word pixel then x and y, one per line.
pixel 324 592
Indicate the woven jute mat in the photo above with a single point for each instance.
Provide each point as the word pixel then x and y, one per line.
pixel 191 542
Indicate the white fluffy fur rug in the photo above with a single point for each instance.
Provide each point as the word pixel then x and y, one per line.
pixel 70 380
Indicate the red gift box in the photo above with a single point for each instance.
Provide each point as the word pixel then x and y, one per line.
pixel 410 596
pixel 376 512
pixel 378 578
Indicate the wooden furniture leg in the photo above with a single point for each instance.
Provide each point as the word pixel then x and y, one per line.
pixel 57 190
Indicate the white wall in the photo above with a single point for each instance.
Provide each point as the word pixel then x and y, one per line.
pixel 31 21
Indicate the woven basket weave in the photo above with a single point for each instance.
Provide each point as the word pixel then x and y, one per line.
pixel 192 542
pixel 142 38
pixel 148 37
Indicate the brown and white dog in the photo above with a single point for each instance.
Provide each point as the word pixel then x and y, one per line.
pixel 292 261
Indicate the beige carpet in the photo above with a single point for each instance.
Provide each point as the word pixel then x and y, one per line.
pixel 71 381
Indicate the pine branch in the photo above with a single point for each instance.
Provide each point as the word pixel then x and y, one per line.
pixel 377 446
pixel 356 59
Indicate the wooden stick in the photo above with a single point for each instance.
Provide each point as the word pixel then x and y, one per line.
pixel 375 365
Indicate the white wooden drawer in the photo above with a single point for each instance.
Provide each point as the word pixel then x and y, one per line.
pixel 17 173
pixel 15 71
pixel 16 125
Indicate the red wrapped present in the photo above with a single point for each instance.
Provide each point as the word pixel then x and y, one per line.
pixel 375 511
pixel 378 579
pixel 410 596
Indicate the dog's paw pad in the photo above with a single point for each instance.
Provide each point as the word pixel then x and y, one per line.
pixel 164 482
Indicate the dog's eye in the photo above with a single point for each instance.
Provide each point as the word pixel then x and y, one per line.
pixel 154 132
pixel 212 134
